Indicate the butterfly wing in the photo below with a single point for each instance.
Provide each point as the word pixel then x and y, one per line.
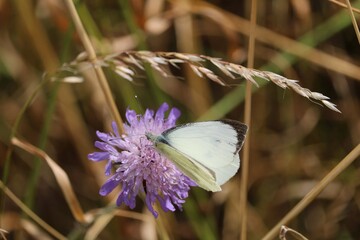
pixel 204 177
pixel 214 145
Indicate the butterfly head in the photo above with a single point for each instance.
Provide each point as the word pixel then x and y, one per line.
pixel 156 139
pixel 151 137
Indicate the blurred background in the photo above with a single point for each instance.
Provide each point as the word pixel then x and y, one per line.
pixel 294 142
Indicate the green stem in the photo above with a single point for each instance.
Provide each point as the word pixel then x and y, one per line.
pixel 35 174
pixel 6 170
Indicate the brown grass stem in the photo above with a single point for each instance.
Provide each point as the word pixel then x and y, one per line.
pixel 100 223
pixel 103 220
pixel 356 28
pixel 341 4
pixel 314 192
pixel 30 213
pixel 246 152
pixel 98 70
pixel 291 232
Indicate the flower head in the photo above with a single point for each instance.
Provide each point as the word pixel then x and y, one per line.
pixel 139 167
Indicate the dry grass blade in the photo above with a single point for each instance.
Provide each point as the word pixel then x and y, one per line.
pixel 2 234
pixel 161 61
pixel 356 28
pixel 93 59
pixel 30 213
pixel 100 223
pixel 60 176
pixel 344 5
pixel 34 230
pixel 341 166
pixel 134 215
pixel 104 218
pixel 285 230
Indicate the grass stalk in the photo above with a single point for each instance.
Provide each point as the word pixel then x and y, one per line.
pixel 314 192
pixel 130 19
pixel 35 174
pixel 303 44
pixel 246 152
pixel 6 169
pixel 353 20
pixel 98 70
pixel 30 213
pixel 47 55
pixel 341 4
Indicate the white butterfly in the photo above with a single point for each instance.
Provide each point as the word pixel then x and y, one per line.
pixel 206 152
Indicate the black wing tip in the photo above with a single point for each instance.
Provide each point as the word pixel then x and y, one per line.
pixel 241 130
pixel 240 127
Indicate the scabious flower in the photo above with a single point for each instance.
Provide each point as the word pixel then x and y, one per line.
pixel 139 167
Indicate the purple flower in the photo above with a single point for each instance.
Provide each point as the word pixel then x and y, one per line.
pixel 139 167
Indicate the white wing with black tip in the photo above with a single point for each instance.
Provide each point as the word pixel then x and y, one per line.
pixel 212 144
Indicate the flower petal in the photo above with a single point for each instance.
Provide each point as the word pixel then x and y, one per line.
pixel 115 129
pixel 166 204
pixel 108 168
pixel 109 185
pixel 173 116
pixel 159 116
pixel 148 116
pixel 98 156
pixel 131 117
pixel 127 197
pixel 102 136
pixel 149 200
